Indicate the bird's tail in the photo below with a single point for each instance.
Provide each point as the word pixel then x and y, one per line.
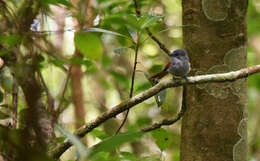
pixel 161 74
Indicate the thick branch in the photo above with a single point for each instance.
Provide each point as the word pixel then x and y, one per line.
pixel 224 77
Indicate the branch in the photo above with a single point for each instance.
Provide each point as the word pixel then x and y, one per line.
pixel 211 78
pixel 170 121
pixel 161 45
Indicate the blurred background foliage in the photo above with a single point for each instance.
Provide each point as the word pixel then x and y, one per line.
pixel 106 61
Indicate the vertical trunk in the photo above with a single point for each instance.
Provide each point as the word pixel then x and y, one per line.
pixel 76 72
pixel 214 126
pixel 77 93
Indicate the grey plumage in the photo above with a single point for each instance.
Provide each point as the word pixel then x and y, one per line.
pixel 180 65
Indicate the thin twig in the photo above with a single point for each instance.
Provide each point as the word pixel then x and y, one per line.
pixel 139 98
pixel 131 89
pixel 15 102
pixel 161 45
pixel 138 13
pixel 59 109
pixel 50 99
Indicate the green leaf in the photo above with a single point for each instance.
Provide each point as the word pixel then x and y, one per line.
pixel 57 2
pixel 10 40
pixel 74 140
pixel 3 115
pixel 81 61
pixel 89 45
pixel 113 142
pixel 149 20
pixel 120 20
pixel 162 138
pixel 99 134
pixel 139 87
pixel 128 156
pixel 156 68
pixel 103 31
pixel 106 61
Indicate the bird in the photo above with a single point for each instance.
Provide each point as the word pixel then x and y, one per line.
pixel 178 66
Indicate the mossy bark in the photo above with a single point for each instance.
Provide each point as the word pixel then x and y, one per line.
pixel 214 126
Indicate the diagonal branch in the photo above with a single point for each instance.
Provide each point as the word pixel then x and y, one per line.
pixel 211 78
pixel 166 122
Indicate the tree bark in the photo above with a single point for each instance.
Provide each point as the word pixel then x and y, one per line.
pixel 214 126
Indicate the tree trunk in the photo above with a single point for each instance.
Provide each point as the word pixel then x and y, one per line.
pixel 214 127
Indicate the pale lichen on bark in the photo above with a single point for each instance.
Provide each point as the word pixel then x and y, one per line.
pixel 232 62
pixel 239 150
pixel 216 10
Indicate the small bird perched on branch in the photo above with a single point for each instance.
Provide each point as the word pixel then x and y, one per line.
pixel 179 65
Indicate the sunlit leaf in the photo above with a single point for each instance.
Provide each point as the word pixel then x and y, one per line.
pixel 103 31
pixel 113 142
pixel 121 20
pixel 99 134
pixel 57 2
pixel 162 138
pixel 89 45
pixel 149 20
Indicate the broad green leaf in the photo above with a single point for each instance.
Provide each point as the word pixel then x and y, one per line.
pixel 156 68
pixel 103 31
pixel 89 45
pixel 57 62
pixel 139 87
pixel 162 138
pixel 10 40
pixel 149 20
pixel 99 134
pixel 113 142
pixel 74 140
pixel 121 20
pixel 81 61
pixel 3 115
pixel 144 121
pixel 57 2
